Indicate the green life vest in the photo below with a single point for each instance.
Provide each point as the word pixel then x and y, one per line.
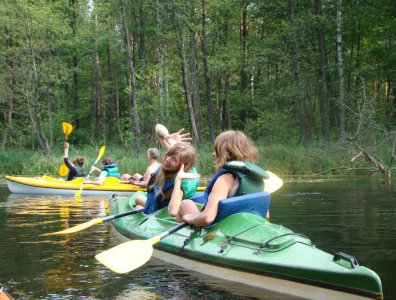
pixel 250 176
pixel 112 170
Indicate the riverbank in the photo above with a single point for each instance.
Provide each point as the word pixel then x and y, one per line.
pixel 294 162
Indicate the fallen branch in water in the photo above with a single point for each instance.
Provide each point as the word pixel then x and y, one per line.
pixel 379 165
pixel 344 168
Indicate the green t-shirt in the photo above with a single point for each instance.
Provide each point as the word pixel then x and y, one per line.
pixel 189 186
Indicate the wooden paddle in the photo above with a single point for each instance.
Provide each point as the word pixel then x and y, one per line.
pixel 92 222
pixel 101 152
pixel 131 255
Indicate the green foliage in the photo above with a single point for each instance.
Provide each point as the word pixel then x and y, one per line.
pixel 67 60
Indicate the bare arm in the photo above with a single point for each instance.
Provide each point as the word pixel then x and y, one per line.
pixel 220 191
pixel 161 133
pixel 168 140
pixel 177 194
pixel 66 149
pixel 176 198
pixel 98 181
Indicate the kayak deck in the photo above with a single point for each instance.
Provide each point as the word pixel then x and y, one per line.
pixel 56 186
pixel 270 256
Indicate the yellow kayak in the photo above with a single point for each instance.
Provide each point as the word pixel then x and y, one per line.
pixel 54 186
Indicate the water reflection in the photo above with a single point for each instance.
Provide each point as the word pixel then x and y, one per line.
pixel 356 217
pixel 63 266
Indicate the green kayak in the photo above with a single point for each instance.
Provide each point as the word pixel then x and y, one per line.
pixel 246 248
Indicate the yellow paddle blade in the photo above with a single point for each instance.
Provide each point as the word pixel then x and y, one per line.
pixel 127 256
pixel 67 128
pixel 63 170
pixel 102 150
pixel 76 228
pixel 273 183
pixel 78 194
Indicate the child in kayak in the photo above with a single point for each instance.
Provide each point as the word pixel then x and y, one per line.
pixel 233 151
pixel 163 185
pixel 76 168
pixel 109 169
pixel 141 180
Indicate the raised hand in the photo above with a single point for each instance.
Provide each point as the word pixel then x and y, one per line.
pixel 183 175
pixel 167 140
pixel 178 137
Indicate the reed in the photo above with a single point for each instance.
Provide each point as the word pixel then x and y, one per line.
pixel 282 159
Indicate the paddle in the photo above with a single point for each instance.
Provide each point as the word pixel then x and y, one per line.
pixel 92 222
pixel 63 170
pixel 273 183
pixel 102 150
pixel 67 129
pixel 131 255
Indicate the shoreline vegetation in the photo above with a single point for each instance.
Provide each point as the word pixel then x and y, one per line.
pixel 291 162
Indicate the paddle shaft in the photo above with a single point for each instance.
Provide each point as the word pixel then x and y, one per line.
pixel 127 213
pixel 171 231
pixel 102 150
pixel 90 171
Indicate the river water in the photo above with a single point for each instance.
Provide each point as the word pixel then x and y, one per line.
pixel 357 217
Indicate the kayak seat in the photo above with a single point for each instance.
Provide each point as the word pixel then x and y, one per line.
pixel 255 203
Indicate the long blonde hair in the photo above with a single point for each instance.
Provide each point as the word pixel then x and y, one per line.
pixel 187 157
pixel 234 145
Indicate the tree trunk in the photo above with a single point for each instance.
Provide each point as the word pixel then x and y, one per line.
pixel 166 84
pixel 208 84
pixel 111 116
pixel 160 65
pixel 97 86
pixel 295 65
pixel 227 101
pixel 341 72
pixel 35 111
pixel 186 86
pixel 194 84
pixel 142 38
pixel 132 78
pixel 10 97
pixel 243 34
pixel 117 120
pixel 73 25
pixel 324 108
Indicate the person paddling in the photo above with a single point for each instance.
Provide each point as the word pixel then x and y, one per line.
pixel 236 175
pixel 109 169
pixel 76 168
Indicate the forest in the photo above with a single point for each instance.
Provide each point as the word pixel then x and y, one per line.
pixel 287 72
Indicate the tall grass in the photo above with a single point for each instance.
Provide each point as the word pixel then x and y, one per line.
pixel 285 160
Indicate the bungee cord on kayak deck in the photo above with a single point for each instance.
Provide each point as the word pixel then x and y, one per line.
pixel 229 239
